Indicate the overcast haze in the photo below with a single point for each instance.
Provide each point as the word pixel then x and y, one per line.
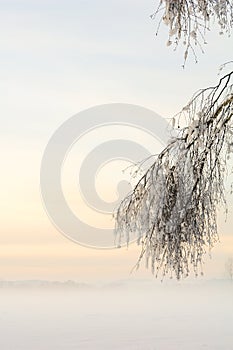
pixel 58 58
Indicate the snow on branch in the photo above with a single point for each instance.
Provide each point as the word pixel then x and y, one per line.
pixel 172 209
pixel 189 20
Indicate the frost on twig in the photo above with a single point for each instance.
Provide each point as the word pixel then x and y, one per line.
pixel 189 20
pixel 172 209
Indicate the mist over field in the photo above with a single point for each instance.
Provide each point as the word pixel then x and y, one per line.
pixel 60 59
pixel 124 315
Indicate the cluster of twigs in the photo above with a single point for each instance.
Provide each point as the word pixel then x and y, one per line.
pixel 172 209
pixel 188 21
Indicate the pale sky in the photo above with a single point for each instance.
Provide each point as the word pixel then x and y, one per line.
pixel 58 58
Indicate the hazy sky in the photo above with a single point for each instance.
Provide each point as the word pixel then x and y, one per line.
pixel 58 58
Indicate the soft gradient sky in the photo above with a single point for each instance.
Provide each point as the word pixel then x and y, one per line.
pixel 58 58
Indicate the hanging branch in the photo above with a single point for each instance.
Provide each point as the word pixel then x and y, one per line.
pixel 189 20
pixel 172 209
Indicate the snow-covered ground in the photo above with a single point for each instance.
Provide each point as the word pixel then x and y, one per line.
pixel 136 315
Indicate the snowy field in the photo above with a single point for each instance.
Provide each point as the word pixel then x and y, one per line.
pixel 145 315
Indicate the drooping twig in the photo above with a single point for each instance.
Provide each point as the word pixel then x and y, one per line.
pixel 172 209
pixel 189 20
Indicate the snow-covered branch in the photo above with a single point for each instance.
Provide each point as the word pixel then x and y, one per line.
pixel 172 209
pixel 189 20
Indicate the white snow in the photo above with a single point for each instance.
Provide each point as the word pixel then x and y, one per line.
pixel 126 316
